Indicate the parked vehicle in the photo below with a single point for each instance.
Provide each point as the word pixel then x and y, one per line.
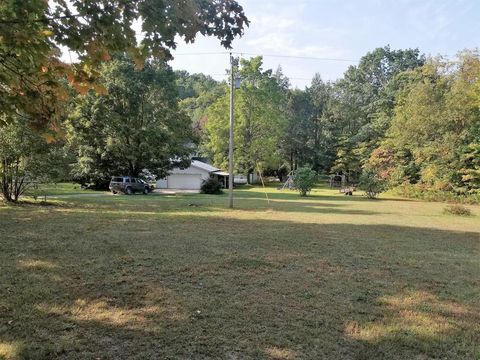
pixel 128 185
pixel 151 186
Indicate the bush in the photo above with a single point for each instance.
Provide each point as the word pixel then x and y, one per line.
pixel 211 186
pixel 372 184
pixel 423 192
pixel 304 180
pixel 456 209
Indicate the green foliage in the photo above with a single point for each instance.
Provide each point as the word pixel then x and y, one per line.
pixel 137 126
pixel 211 186
pixel 371 183
pixel 304 180
pixel 259 121
pixel 456 209
pixel 436 121
pixel 406 119
pixel 32 31
pixel 364 102
pixel 197 92
pixel 346 160
pixel 194 85
pixel 25 159
pixel 470 171
pixel 308 138
pixel 422 191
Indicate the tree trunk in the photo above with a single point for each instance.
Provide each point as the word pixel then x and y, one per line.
pixel 6 189
pixel 291 161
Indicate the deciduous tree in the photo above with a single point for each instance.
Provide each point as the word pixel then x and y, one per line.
pixel 137 126
pixel 259 121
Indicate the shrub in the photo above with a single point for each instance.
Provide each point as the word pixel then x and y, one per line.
pixel 456 209
pixel 423 192
pixel 211 186
pixel 304 180
pixel 372 184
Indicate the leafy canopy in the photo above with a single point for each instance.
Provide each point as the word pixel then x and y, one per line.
pixel 137 126
pixel 32 32
pixel 259 121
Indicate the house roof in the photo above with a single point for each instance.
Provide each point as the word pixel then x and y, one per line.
pixel 204 166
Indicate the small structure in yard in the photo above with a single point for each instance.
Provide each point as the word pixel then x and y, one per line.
pixel 340 181
pixel 191 178
pixel 337 180
pixel 289 184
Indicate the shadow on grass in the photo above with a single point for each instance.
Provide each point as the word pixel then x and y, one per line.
pixel 155 212
pixel 157 205
pixel 74 286
pixel 319 193
pixel 26 203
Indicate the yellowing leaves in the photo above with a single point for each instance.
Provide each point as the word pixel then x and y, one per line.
pixel 49 138
pixel 139 62
pixel 84 87
pixel 47 33
pixel 81 88
pixel 100 89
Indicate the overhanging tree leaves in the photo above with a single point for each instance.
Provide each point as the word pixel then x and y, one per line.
pixel 32 31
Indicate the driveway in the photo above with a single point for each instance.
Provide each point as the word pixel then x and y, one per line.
pixel 175 191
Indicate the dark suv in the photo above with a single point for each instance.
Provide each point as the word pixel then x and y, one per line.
pixel 128 185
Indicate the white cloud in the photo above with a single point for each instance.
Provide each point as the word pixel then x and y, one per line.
pixel 283 30
pixel 336 29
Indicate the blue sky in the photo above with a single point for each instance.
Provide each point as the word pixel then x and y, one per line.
pixel 341 29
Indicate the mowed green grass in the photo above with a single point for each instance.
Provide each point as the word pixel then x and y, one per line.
pixel 183 277
pixel 59 189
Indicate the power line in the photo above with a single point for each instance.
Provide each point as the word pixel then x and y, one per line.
pixel 296 57
pixel 266 55
pixel 282 56
pixel 201 53
pixel 293 78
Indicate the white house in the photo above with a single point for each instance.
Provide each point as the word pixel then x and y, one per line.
pixel 191 178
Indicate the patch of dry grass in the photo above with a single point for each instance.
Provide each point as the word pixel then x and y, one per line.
pixel 329 276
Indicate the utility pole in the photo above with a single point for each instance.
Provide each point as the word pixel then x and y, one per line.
pixel 230 144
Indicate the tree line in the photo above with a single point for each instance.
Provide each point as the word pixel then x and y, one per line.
pixel 113 110
pixel 396 120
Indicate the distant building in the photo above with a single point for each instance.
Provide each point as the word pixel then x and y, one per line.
pixel 192 177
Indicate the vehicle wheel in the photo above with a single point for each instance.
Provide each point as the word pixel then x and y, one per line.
pixel 145 191
pixel 128 191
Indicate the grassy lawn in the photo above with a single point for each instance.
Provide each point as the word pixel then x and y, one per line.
pixel 182 277
pixel 59 189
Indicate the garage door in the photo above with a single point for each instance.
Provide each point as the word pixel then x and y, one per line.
pixel 185 181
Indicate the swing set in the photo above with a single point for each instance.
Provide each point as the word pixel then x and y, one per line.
pixel 289 184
